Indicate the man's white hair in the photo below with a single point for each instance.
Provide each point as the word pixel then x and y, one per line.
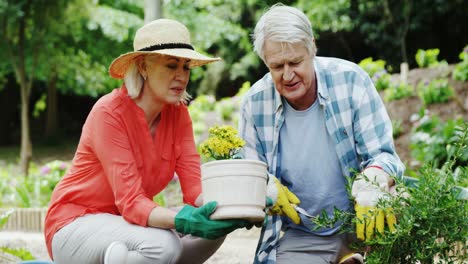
pixel 283 24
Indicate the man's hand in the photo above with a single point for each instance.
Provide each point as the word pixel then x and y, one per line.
pixel 368 188
pixel 282 200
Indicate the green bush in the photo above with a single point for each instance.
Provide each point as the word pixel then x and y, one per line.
pixel 372 67
pixel 34 190
pixel 460 73
pixel 398 91
pixel 431 222
pixel 433 141
pixel 436 91
pixel 381 80
pixel 376 70
pixel 431 217
pixel 428 58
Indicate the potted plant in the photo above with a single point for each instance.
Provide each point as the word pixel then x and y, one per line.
pixel 238 185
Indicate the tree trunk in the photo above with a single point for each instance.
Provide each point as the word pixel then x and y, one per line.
pixel 26 145
pixel 51 121
pixel 153 10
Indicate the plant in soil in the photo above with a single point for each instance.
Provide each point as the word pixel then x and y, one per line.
pixel 432 215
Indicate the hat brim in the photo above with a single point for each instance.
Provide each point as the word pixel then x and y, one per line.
pixel 119 66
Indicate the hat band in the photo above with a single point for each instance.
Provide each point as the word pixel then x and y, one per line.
pixel 167 46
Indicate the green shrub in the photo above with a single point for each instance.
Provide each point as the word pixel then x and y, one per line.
pixel 436 91
pixel 428 58
pixel 460 73
pixel 431 222
pixel 377 72
pixel 371 66
pixel 381 80
pixel 431 217
pixel 398 91
pixel 32 191
pixel 433 141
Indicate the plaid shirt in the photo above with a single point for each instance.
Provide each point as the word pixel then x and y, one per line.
pixel 355 118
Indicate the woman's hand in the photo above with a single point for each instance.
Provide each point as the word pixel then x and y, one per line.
pixel 197 222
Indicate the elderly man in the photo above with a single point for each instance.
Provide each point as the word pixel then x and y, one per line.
pixel 315 121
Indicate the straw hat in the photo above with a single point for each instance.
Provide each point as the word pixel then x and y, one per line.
pixel 164 37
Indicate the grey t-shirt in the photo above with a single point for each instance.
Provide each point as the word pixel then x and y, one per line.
pixel 309 165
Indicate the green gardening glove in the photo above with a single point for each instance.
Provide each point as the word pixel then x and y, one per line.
pixel 197 222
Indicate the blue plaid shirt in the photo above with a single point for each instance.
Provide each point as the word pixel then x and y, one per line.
pixel 355 118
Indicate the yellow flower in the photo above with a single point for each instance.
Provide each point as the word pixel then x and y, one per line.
pixel 222 143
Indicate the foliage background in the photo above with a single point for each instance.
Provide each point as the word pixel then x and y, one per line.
pixel 61 51
pixel 75 41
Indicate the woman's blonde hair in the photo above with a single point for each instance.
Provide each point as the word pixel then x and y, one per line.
pixel 134 82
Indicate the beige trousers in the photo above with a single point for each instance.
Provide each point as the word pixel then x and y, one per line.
pixel 86 239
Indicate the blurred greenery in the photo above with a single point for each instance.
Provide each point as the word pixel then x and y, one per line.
pixel 66 47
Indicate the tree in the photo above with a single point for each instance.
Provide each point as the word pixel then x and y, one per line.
pixel 24 31
pixel 153 10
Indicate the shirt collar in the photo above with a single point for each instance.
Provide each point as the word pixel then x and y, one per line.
pixel 322 90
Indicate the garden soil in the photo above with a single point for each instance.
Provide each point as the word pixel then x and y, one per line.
pixel 240 245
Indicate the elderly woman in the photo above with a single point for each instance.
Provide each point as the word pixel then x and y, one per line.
pixel 132 143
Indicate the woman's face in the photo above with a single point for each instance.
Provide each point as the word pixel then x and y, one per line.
pixel 167 78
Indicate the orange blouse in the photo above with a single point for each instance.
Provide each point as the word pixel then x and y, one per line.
pixel 119 167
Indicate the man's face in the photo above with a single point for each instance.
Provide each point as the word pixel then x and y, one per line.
pixel 293 73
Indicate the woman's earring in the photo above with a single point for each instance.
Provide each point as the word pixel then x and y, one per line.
pixel 144 78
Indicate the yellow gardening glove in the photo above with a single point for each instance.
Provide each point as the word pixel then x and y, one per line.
pixel 368 188
pixel 282 199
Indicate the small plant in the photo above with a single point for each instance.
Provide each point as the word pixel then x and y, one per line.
pixel 460 73
pixel 431 217
pixel 222 143
pixel 33 191
pixel 433 141
pixel 428 58
pixel 372 67
pixel 436 91
pixel 399 91
pixel 397 128
pixel 377 72
pixel 381 80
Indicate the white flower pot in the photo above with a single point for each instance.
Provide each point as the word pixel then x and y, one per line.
pixel 239 187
